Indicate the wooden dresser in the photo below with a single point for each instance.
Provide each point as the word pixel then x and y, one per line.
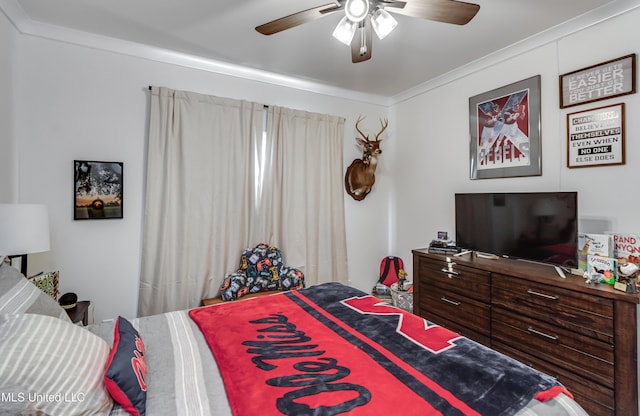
pixel 584 335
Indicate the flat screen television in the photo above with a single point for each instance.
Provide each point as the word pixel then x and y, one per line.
pixel 538 226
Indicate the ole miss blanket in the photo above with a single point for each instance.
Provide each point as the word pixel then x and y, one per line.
pixel 331 349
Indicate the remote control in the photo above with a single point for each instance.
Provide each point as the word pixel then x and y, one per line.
pixel 560 272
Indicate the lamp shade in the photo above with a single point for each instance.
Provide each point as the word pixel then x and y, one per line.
pixel 344 31
pixel 24 229
pixel 383 23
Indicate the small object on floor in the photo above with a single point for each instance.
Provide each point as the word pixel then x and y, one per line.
pixel 382 290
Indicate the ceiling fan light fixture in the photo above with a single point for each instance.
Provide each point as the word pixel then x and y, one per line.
pixel 345 30
pixel 383 23
pixel 356 10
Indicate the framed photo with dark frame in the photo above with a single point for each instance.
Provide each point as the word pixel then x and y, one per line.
pixel 595 137
pixel 98 190
pixel 598 82
pixel 504 125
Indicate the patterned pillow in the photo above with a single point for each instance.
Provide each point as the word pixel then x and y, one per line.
pixel 47 282
pixel 126 372
pixel 17 295
pixel 51 367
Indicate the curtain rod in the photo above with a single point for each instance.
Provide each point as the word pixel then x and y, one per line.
pixel 264 105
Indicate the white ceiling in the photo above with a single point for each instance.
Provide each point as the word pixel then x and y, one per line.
pixel 416 52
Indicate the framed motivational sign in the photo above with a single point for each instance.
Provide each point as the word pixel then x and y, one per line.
pixel 598 82
pixel 596 137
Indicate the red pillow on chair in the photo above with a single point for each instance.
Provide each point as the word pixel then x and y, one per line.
pixel 126 370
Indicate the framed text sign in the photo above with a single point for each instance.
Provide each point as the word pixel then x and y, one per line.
pixel 596 137
pixel 598 82
pixel 504 126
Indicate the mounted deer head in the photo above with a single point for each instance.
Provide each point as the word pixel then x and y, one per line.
pixel 360 175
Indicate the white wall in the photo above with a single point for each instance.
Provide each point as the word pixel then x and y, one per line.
pixel 8 35
pixel 432 134
pixel 606 193
pixel 74 102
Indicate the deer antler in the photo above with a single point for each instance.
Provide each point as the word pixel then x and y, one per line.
pixel 384 125
pixel 364 136
pixel 360 175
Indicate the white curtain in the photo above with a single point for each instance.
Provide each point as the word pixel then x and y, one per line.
pixel 199 195
pixel 220 178
pixel 306 196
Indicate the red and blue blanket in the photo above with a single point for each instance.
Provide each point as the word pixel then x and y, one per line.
pixel 331 349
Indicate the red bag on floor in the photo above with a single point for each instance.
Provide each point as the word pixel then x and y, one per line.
pixel 390 267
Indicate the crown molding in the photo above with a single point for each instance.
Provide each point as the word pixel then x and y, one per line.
pixel 587 20
pixel 29 27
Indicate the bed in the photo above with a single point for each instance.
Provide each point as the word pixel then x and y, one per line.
pixel 324 350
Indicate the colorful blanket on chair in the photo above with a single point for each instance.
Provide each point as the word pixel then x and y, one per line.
pixel 331 349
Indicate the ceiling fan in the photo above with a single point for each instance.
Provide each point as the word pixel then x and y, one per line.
pixel 362 15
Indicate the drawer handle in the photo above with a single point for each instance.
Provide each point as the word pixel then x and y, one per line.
pixel 542 334
pixel 450 272
pixel 542 295
pixel 453 302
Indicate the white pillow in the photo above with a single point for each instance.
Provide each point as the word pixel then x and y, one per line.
pixel 51 367
pixel 19 295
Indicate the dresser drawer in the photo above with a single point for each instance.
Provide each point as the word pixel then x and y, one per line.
pixel 587 357
pixel 596 399
pixel 455 278
pixel 582 313
pixel 461 311
pixel 563 327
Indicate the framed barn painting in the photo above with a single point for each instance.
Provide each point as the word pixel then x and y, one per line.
pixel 98 190
pixel 504 125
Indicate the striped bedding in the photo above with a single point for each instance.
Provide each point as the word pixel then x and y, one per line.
pixel 51 367
pixel 182 375
pixel 18 295
pixel 183 378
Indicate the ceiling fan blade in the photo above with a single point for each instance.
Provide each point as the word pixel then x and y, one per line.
pixel 299 18
pixel 361 43
pixel 445 11
pixel 392 3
